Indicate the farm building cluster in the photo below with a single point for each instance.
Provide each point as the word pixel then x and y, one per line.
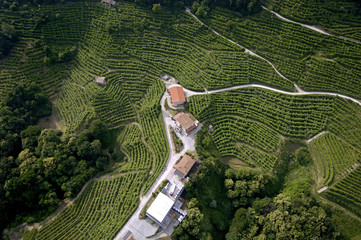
pixel 167 206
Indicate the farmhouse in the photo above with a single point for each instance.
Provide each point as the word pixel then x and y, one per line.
pixel 100 81
pixel 184 166
pixel 159 210
pixel 185 121
pixel 177 97
pixel 109 3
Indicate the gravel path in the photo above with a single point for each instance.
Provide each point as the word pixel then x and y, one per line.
pixel 314 28
pixel 318 135
pixel 246 49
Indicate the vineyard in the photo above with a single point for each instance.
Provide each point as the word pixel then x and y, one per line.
pixel 294 116
pixel 246 140
pixel 140 156
pixel 256 111
pixel 131 47
pixel 337 17
pixel 313 60
pixel 334 154
pixel 347 192
pixel 100 211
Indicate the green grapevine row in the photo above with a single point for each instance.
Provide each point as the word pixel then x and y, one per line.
pixel 100 212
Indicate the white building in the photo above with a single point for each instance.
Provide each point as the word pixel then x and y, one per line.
pixel 159 210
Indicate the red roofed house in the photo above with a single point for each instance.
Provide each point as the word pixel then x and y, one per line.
pixel 177 95
pixel 185 121
pixel 183 167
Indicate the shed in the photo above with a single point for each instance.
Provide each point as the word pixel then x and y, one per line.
pixel 108 2
pixel 100 80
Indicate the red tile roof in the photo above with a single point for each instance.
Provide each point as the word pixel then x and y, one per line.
pixel 185 164
pixel 185 121
pixel 177 94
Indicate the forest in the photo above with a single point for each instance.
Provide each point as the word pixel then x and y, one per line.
pixel 40 167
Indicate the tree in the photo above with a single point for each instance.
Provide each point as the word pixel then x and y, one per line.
pixel 156 8
pixel 5 45
pixel 239 223
pixel 8 31
pixel 195 7
pixel 202 10
pixel 100 131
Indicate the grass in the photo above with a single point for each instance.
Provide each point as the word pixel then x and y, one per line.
pixel 177 143
pixel 298 181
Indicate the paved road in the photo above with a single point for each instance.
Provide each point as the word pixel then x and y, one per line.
pixel 189 144
pixel 300 92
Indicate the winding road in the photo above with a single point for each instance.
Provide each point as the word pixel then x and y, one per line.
pixel 134 222
pixel 314 28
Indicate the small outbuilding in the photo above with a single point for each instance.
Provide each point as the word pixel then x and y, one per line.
pixel 100 81
pixel 183 167
pixel 109 3
pixel 165 77
pixel 185 121
pixel 160 208
pixel 177 96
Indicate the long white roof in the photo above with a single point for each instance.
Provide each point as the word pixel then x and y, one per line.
pixel 160 207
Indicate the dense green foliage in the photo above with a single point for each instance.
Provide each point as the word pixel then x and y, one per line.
pixel 7 38
pixel 256 213
pixel 22 107
pixel 281 218
pixel 41 167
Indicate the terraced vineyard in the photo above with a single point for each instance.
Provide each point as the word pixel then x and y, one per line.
pixel 132 46
pixel 100 211
pixel 247 140
pixel 347 192
pixel 295 116
pixel 173 43
pixel 140 155
pixel 337 17
pixel 334 154
pixel 313 60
